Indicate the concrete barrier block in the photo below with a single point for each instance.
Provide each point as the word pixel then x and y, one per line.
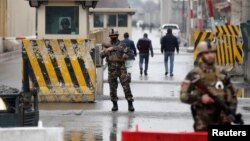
pixel 10 45
pixel 32 134
pixel 190 49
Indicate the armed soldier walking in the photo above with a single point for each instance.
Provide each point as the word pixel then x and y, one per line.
pixel 116 54
pixel 208 90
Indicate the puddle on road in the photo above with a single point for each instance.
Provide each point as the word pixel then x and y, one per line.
pixel 92 128
pixel 81 136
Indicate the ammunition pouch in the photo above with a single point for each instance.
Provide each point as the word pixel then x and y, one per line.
pixel 116 56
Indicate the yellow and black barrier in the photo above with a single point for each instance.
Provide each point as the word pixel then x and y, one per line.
pixel 229 50
pixel 232 30
pixel 201 36
pixel 228 43
pixel 61 70
pixel 82 136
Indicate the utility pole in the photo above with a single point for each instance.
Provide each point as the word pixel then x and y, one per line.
pixel 190 22
pixel 183 16
pixel 211 14
pixel 199 15
pixel 191 3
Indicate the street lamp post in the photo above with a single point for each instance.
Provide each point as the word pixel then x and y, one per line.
pixel 211 14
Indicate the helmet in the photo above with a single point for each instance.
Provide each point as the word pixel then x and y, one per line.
pixel 205 46
pixel 113 33
pixel 65 21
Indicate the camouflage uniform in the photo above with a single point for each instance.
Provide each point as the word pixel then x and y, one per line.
pixel 117 69
pixel 218 83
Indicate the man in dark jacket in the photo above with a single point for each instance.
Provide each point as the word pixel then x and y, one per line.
pixel 144 45
pixel 168 45
pixel 131 53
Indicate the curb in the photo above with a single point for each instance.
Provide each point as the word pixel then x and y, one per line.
pixel 9 55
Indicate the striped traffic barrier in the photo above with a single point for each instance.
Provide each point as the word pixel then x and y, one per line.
pixel 229 50
pixel 198 37
pixel 227 30
pixel 228 43
pixel 61 70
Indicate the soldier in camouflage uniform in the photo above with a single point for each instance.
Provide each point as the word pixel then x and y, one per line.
pixel 205 112
pixel 116 54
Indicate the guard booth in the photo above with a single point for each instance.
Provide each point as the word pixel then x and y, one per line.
pixel 60 64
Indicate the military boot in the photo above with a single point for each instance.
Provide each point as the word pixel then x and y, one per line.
pixel 130 106
pixel 115 106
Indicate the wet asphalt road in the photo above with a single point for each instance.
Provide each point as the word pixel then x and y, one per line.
pixel 157 105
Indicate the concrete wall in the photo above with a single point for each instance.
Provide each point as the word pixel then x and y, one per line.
pixel 245 10
pixel 20 18
pixel 16 19
pixel 172 12
pixel 31 134
pixel 3 12
pixel 236 11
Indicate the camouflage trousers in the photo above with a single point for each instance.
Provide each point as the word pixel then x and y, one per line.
pixel 204 117
pixel 113 75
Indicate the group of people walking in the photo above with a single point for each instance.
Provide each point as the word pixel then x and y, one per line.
pixel 169 44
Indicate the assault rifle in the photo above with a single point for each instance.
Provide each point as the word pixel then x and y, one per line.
pixel 235 117
pixel 119 50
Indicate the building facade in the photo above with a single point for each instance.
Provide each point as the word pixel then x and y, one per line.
pixel 17 18
pixel 174 11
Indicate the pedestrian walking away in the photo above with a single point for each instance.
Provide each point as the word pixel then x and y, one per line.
pixel 116 53
pixel 208 89
pixel 169 43
pixel 131 54
pixel 144 45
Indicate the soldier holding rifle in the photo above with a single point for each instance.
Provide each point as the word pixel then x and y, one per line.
pixel 209 91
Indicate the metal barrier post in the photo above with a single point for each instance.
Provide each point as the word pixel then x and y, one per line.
pixel 99 71
pixel 1 44
pixel 25 80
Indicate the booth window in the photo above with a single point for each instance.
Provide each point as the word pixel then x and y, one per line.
pixel 111 21
pixel 62 20
pixel 122 20
pixel 98 20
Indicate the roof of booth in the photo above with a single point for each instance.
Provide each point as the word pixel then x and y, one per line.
pixel 62 0
pixel 113 6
